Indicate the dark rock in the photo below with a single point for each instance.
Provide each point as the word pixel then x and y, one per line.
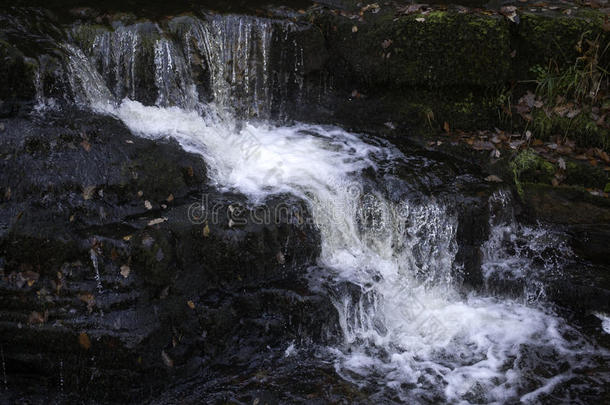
pixel 220 295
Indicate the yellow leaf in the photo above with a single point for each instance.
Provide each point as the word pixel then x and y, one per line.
pixel 84 341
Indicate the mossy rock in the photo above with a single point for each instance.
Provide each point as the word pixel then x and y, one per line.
pixel 554 36
pixel 446 49
pixel 528 167
pixel 16 74
pixel 584 175
pixel 565 204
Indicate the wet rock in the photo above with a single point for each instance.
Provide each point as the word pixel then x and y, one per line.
pixel 243 298
pixel 565 205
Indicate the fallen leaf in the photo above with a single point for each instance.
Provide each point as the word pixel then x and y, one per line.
pixel 157 221
pixel 411 9
pixel 88 299
pixel 483 145
pixel 493 179
pixel 166 359
pixel 516 144
pixel 170 198
pixel 125 270
pixel 86 145
pixel 31 277
pixel 528 100
pixel 127 238
pixel 446 127
pixel 148 205
pixel 37 317
pixel 562 163
pixel 373 8
pixel 420 19
pixel 190 304
pixel 190 171
pixel 88 192
pixel 354 29
pixel 84 341
pixel 280 258
pixel 206 231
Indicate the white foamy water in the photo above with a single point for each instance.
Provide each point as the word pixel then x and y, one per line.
pixel 406 325
pixel 408 334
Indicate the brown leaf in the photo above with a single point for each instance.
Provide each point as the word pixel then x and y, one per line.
pixel 36 317
pixel 602 155
pixel 170 198
pixel 206 231
pixel 446 127
pixel 84 341
pixel 190 304
pixel 483 145
pixel 606 26
pixel 31 277
pixel 86 145
pixel 89 299
pixel 190 171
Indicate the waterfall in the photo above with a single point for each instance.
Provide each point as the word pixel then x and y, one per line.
pixel 387 263
pixel 227 59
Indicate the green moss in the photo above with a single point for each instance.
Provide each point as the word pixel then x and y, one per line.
pixel 585 175
pixel 541 38
pixel 446 49
pixel 528 167
pixel 581 128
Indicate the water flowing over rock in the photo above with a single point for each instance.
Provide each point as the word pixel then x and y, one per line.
pixel 178 237
pixel 230 60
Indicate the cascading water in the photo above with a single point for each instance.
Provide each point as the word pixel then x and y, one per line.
pixel 389 265
pixel 226 59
